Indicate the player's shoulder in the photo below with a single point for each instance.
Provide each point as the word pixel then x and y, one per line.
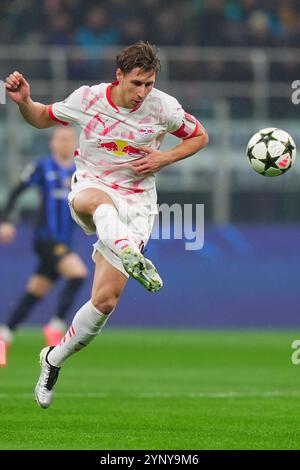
pixel 84 91
pixel 35 166
pixel 87 94
pixel 38 162
pixel 46 160
pixel 44 164
pixel 168 103
pixel 165 97
pixel 97 88
pixel 162 95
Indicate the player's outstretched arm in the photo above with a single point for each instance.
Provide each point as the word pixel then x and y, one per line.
pixel 34 113
pixel 7 228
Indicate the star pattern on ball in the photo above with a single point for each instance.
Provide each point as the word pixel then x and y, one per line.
pixel 289 147
pixel 261 158
pixel 269 162
pixel 266 138
pixel 249 152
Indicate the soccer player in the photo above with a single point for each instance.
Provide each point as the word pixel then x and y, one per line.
pixel 113 190
pixel 52 237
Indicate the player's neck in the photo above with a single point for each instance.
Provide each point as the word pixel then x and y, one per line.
pixel 116 97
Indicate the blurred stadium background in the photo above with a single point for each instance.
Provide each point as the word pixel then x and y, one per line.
pixel 231 63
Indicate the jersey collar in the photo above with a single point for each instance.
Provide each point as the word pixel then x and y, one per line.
pixel 112 104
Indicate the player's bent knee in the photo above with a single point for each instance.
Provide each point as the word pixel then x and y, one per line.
pixel 82 272
pixel 39 285
pixel 76 273
pixel 105 303
pixel 86 202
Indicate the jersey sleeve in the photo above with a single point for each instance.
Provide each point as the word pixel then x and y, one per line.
pixel 69 110
pixel 180 123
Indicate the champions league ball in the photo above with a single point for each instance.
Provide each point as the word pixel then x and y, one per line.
pixel 271 152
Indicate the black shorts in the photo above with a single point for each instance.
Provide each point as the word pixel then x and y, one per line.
pixel 50 253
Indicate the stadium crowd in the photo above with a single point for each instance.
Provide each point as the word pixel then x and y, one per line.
pixel 187 22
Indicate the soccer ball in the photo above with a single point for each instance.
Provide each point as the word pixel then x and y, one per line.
pixel 271 151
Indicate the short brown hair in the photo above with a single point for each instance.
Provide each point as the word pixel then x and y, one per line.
pixel 142 55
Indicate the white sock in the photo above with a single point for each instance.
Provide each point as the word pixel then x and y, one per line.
pixel 111 231
pixel 86 325
pixel 57 324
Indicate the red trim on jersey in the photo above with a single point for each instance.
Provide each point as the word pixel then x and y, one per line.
pixel 129 190
pixel 108 97
pixel 137 107
pixel 182 134
pixel 195 131
pixel 54 118
pixel 120 240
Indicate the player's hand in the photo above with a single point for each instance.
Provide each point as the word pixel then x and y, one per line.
pixel 17 87
pixel 151 163
pixel 7 232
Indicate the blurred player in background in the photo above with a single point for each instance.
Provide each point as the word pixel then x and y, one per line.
pixel 113 192
pixel 52 237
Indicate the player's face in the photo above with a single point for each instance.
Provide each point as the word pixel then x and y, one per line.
pixel 134 87
pixel 63 143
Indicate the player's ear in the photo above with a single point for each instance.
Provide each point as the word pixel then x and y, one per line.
pixel 119 75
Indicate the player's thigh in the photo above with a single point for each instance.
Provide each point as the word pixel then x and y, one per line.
pixel 86 201
pixel 39 285
pixel 108 282
pixel 71 265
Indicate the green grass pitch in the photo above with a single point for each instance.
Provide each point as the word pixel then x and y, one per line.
pixel 157 389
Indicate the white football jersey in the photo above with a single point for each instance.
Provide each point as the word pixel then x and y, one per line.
pixel 111 137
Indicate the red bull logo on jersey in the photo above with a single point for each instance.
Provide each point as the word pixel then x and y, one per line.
pixel 120 147
pixel 146 130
